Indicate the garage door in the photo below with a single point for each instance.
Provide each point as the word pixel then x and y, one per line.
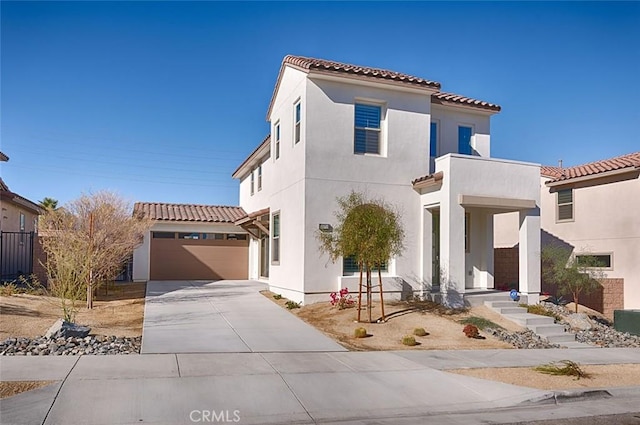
pixel 195 256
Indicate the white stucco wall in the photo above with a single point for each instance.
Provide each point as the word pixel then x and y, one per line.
pixel 449 118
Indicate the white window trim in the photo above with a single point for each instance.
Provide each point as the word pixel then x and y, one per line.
pixel 573 206
pixel 279 237
pixel 295 104
pixel 277 134
pixel 23 222
pixel 259 177
pixel 252 181
pixel 438 131
pixel 473 133
pixel 590 254
pixel 383 125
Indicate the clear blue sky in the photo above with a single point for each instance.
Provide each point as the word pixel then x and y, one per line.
pixel 162 101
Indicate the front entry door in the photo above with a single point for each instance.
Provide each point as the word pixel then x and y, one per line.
pixel 264 255
pixel 435 248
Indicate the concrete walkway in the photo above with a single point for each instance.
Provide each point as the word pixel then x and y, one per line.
pixel 223 316
pixel 346 387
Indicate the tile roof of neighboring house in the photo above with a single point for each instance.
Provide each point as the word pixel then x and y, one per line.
pixel 265 141
pixel 428 179
pixel 631 161
pixel 189 212
pixel 443 98
pixel 8 196
pixel 3 157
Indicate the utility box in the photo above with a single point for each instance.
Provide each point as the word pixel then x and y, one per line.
pixel 627 321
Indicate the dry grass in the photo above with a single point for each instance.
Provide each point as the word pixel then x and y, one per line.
pixel 118 312
pixel 10 388
pixel 442 325
pixel 601 376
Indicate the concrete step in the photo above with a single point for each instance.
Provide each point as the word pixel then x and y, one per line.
pixel 511 310
pixel 530 319
pixel 561 337
pixel 501 304
pixel 547 328
pixel 575 344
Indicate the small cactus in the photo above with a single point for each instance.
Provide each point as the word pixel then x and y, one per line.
pixel 419 332
pixel 360 333
pixel 409 340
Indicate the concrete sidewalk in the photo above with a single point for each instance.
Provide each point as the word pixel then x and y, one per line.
pixel 282 387
pixel 223 316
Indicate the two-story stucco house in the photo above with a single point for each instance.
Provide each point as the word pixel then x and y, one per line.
pixel 593 209
pixel 337 127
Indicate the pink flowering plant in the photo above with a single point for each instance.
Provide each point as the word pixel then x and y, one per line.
pixel 342 299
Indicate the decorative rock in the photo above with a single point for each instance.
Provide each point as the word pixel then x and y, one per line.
pixel 579 321
pixel 92 345
pixel 54 329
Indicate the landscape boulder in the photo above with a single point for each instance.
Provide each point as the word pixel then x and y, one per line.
pixel 62 329
pixel 580 321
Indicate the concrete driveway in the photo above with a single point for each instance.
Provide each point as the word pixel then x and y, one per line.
pixel 223 317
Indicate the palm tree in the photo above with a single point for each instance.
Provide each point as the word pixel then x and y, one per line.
pixel 49 204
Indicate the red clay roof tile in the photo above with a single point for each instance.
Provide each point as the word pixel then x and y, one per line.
pixel 631 160
pixel 189 212
pixel 443 97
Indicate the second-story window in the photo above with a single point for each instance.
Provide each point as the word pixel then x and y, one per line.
pixel 464 140
pixel 22 222
pixel 252 181
pixel 433 142
pixel 276 131
pixel 260 177
pixel 296 122
pixel 367 129
pixel 565 205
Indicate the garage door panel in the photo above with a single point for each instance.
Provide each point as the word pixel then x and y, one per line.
pixel 184 259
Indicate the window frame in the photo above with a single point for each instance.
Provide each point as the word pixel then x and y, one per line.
pixel 353 272
pixel 470 127
pixel 275 249
pixel 596 254
pixel 381 127
pixel 572 203
pixel 434 143
pixel 259 177
pixel 297 121
pixel 252 179
pixel 276 138
pixel 23 222
pixel 467 232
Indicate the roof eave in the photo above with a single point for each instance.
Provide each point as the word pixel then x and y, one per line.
pixel 475 108
pixel 262 149
pixel 571 180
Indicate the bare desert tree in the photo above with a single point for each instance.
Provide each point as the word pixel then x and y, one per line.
pixel 88 241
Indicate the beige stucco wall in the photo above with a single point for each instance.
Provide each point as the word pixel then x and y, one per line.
pixel 11 218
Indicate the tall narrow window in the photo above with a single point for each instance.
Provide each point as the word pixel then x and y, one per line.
pixel 296 120
pixel 275 238
pixel 277 142
pixel 367 129
pixel 252 180
pixel 565 205
pixel 22 222
pixel 464 140
pixel 260 177
pixel 467 232
pixel 433 143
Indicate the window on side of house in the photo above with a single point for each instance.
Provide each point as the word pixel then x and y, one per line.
pixel 22 222
pixel 467 232
pixel 297 116
pixel 368 134
pixel 163 235
pixel 275 238
pixel 433 142
pixel 276 131
pixel 259 177
pixel 253 177
pixel 565 205
pixel 464 139
pixel 350 266
pixel 599 261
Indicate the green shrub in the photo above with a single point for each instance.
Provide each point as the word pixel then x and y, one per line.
pixel 563 368
pixel 480 322
pixel 420 332
pixel 409 340
pixel 292 304
pixel 277 296
pixel 360 333
pixel 540 310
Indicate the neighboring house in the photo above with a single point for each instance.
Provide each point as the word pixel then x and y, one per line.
pixel 18 224
pixel 191 242
pixel 336 128
pixel 593 209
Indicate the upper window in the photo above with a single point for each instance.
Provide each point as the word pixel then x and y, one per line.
pixel 163 235
pixel 600 261
pixel 252 180
pixel 565 205
pixel 367 129
pixel 464 140
pixel 467 232
pixel 275 238
pixel 296 121
pixel 22 222
pixel 276 130
pixel 260 177
pixel 433 143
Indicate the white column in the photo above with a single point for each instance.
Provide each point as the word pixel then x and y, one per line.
pixel 452 253
pixel 529 255
pixel 141 259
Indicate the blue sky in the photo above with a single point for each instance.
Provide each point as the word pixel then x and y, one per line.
pixel 161 101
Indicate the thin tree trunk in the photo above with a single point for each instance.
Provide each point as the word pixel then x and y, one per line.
pixel 575 300
pixel 90 286
pixel 381 296
pixel 360 292
pixel 369 300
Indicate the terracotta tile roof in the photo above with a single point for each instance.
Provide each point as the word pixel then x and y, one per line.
pixel 443 97
pixel 429 178
pixel 265 141
pixel 3 157
pixel 331 66
pixel 188 212
pixel 631 160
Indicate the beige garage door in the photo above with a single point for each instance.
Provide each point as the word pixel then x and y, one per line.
pixel 194 256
